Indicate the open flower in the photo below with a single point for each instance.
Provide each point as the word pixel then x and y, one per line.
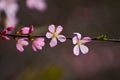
pixel 6 31
pixel 20 43
pixel 26 30
pixel 38 43
pixel 55 34
pixel 10 7
pixel 40 5
pixel 79 44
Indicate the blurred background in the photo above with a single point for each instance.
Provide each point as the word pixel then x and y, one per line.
pixel 88 17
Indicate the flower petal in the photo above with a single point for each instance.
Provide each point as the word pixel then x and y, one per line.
pixel 75 39
pixel 51 28
pixel 31 29
pixel 25 30
pixel 61 38
pixel 40 41
pixel 34 48
pixel 24 43
pixel 84 49
pixel 4 32
pixel 76 50
pixel 5 38
pixel 41 5
pixel 53 42
pixel 38 46
pixel 10 28
pixel 59 29
pixel 48 35
pixel 30 3
pixel 2 5
pixel 86 39
pixel 11 21
pixel 78 35
pixel 19 47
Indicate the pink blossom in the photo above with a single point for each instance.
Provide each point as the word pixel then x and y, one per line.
pixel 40 5
pixel 11 21
pixel 10 7
pixel 27 30
pixel 6 31
pixel 79 44
pixel 10 28
pixel 38 43
pixel 21 43
pixel 55 34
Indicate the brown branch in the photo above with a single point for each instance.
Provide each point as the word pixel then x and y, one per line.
pixel 34 36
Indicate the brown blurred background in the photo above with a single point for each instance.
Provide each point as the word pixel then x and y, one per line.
pixel 88 17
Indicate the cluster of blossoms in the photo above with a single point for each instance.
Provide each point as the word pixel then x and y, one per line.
pixel 10 7
pixel 24 36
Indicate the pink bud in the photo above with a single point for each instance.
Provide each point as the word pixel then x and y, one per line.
pixel 31 29
pixel 4 32
pixel 5 38
pixel 38 43
pixel 10 28
pixel 24 30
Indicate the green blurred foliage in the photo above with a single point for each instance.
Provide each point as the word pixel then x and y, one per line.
pixel 102 37
pixel 48 73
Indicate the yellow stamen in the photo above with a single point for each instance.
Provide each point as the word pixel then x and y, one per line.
pixel 80 42
pixel 55 34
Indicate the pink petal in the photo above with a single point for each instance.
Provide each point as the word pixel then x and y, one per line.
pixel 78 35
pixel 24 30
pixel 38 46
pixel 2 5
pixel 4 32
pixel 31 29
pixel 41 6
pixel 59 29
pixel 76 50
pixel 51 28
pixel 84 49
pixel 11 9
pixel 19 47
pixel 48 35
pixel 10 28
pixel 75 39
pixel 53 42
pixel 40 39
pixel 61 38
pixel 42 43
pixel 87 39
pixel 5 38
pixel 24 43
pixel 30 3
pixel 34 48
pixel 11 21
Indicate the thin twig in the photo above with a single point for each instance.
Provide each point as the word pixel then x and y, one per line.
pixel 108 40
pixel 34 36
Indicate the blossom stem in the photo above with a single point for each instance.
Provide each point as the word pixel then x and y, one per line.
pixel 108 40
pixel 18 35
pixel 69 38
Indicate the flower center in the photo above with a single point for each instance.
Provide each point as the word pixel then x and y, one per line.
pixel 55 34
pixel 80 42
